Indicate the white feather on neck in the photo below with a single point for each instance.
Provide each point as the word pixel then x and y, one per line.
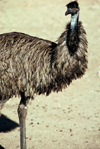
pixel 74 21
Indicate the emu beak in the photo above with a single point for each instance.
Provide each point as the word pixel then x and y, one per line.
pixel 67 12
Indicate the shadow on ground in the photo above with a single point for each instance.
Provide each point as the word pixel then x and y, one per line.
pixel 1 147
pixel 6 124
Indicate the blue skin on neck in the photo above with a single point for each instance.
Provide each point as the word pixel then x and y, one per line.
pixel 74 21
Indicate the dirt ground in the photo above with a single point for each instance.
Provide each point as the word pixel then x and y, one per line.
pixel 69 119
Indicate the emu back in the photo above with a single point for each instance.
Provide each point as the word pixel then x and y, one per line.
pixel 25 64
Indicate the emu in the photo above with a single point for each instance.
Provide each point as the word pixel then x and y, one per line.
pixel 30 65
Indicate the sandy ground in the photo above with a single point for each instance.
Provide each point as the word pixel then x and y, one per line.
pixel 69 119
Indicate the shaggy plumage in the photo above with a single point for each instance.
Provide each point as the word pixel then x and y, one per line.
pixel 33 65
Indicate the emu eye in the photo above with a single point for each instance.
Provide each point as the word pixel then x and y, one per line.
pixel 74 8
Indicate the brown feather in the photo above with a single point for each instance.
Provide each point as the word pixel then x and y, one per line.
pixel 36 66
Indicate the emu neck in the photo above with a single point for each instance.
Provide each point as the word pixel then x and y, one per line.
pixel 73 35
pixel 74 21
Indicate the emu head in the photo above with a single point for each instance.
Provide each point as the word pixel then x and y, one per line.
pixel 72 8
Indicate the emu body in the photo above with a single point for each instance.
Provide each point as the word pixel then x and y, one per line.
pixel 31 65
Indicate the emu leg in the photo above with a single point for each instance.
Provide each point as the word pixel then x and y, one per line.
pixel 22 113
